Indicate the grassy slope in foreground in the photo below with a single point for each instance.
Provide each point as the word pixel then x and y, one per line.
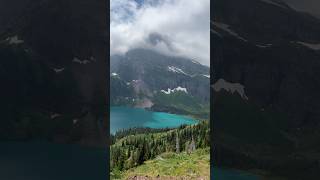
pixel 148 150
pixel 173 165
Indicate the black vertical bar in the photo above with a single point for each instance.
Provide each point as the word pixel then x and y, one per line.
pixel 211 96
pixel 108 87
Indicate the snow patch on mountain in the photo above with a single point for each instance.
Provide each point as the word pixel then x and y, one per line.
pixel 230 87
pixel 14 40
pixel 175 90
pixel 310 45
pixel 114 74
pixel 54 115
pixel 58 70
pixel 226 28
pixel 74 121
pixel 176 70
pixel 77 60
pixel 208 76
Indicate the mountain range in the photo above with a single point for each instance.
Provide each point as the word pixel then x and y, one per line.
pixel 149 79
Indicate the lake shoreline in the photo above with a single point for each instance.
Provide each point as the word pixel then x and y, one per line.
pixel 123 117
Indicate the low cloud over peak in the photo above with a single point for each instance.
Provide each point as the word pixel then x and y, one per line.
pixel 173 27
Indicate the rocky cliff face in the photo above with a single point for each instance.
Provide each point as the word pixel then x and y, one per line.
pixel 142 77
pixel 271 52
pixel 159 72
pixel 53 65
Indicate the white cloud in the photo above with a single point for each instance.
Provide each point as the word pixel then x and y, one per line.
pixel 175 27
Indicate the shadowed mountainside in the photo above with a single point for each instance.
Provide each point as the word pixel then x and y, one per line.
pixel 53 65
pixel 265 87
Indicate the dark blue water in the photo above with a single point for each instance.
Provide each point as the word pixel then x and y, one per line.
pixel 45 161
pixel 226 174
pixel 126 117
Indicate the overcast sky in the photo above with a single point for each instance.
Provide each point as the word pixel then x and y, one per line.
pixel 174 27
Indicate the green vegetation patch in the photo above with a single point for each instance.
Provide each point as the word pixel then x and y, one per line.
pixel 189 166
pixel 132 151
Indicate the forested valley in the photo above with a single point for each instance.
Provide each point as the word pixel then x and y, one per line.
pixel 132 147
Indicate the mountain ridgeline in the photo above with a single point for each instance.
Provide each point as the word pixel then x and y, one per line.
pixel 145 78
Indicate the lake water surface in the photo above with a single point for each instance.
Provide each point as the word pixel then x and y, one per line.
pixel 127 117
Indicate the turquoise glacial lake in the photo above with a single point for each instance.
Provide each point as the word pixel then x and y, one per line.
pixel 127 117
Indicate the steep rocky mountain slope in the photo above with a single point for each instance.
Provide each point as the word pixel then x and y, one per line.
pixel 265 71
pixel 145 78
pixel 53 65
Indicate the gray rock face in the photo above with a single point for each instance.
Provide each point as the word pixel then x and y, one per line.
pixel 150 72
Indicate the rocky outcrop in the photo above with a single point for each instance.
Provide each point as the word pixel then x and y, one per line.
pixel 150 72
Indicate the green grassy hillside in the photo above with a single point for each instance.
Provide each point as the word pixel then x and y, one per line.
pixel 168 165
pixel 135 150
pixel 181 103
